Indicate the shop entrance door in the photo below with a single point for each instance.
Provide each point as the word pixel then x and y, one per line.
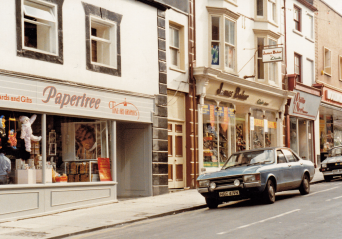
pixel 176 154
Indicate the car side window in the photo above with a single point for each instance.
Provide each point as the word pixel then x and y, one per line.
pixel 281 157
pixel 290 157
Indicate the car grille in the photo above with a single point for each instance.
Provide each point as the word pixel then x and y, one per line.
pixel 333 166
pixel 226 181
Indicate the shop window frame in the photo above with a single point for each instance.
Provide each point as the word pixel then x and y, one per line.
pixel 31 52
pixel 111 18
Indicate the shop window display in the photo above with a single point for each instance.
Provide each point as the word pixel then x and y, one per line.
pixel 20 144
pixel 257 135
pixel 240 133
pixel 218 126
pixel 271 134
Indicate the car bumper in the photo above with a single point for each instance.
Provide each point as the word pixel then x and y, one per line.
pixel 333 172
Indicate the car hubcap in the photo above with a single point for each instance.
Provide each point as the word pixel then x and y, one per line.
pixel 271 192
pixel 306 183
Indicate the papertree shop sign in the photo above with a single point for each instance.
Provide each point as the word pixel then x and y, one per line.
pixel 272 54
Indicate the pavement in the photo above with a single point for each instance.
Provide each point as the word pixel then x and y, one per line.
pixel 69 223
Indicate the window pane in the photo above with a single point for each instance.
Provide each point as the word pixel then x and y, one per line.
pixel 281 157
pixel 272 42
pixel 103 52
pixel 260 46
pixel 94 51
pixel 260 69
pixel 229 32
pixel 215 28
pixel 215 53
pixel 293 134
pixel 229 56
pixel 272 71
pixel 38 11
pixel 260 7
pixel 273 11
pixel 174 56
pixel 175 38
pixel 102 30
pixel 30 32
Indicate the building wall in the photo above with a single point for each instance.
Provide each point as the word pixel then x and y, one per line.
pixel 139 54
pixel 328 31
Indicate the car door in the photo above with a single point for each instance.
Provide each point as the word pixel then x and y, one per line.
pixel 283 172
pixel 296 169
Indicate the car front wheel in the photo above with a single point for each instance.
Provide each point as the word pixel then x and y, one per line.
pixel 269 192
pixel 305 186
pixel 211 202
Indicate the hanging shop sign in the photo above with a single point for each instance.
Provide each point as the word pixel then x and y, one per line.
pixel 237 94
pixel 24 94
pixel 272 54
pixel 304 105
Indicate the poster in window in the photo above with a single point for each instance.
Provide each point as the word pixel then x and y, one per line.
pixel 104 169
pixel 215 54
pixel 86 144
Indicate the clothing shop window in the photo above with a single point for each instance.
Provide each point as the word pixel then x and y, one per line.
pixel 297 18
pixel 327 61
pixel 260 64
pixel 103 43
pixel 260 8
pixel 272 66
pixel 298 66
pixel 257 129
pixel 218 133
pixel 174 46
pixel 40 32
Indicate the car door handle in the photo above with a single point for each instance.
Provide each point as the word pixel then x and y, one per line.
pixel 289 165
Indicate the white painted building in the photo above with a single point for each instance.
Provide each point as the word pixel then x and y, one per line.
pixel 241 98
pixel 89 71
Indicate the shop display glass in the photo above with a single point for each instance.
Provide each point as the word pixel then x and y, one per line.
pixel 326 132
pixel 302 133
pixel 293 134
pixel 218 128
pixel 271 134
pixel 257 135
pixel 240 132
pixel 20 143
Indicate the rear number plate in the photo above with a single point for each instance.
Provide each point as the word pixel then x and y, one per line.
pixel 337 171
pixel 229 193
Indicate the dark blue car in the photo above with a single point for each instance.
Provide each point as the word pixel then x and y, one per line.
pixel 256 173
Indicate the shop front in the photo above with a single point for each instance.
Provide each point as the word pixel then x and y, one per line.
pixel 330 119
pixel 70 145
pixel 235 114
pixel 301 115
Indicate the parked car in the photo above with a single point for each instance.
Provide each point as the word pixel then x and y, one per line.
pixel 255 173
pixel 332 165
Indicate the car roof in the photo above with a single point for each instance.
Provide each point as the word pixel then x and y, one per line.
pixel 268 148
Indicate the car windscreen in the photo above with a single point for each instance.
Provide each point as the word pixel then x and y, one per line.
pixel 335 152
pixel 250 158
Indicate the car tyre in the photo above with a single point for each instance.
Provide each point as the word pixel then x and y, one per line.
pixel 328 178
pixel 269 192
pixel 212 202
pixel 305 186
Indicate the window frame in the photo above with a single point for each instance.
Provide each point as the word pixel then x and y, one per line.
pixel 340 66
pixel 173 27
pixel 324 62
pixel 299 21
pixel 260 58
pixel 273 11
pixel 110 18
pixel 33 53
pixel 311 33
pixel 111 41
pixel 299 76
pixel 256 9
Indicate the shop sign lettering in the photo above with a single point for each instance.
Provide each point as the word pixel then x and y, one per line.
pixel 238 94
pixel 120 108
pixel 272 54
pixel 299 103
pixel 261 102
pixel 18 98
pixel 50 92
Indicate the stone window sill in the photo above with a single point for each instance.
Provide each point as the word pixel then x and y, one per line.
pixel 178 70
pixel 298 32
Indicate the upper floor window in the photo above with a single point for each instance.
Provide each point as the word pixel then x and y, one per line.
pixel 297 18
pixel 174 46
pixel 273 10
pixel 102 40
pixel 40 34
pixel 103 43
pixel 298 66
pixel 229 51
pixel 215 40
pixel 260 63
pixel 327 61
pixel 310 30
pixel 260 8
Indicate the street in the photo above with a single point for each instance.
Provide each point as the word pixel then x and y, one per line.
pixel 316 215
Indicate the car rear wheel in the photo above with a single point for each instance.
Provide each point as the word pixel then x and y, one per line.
pixel 328 178
pixel 269 192
pixel 211 202
pixel 305 186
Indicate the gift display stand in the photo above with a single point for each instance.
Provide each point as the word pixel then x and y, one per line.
pixel 25 176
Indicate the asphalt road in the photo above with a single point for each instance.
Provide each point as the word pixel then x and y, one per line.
pixel 316 215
